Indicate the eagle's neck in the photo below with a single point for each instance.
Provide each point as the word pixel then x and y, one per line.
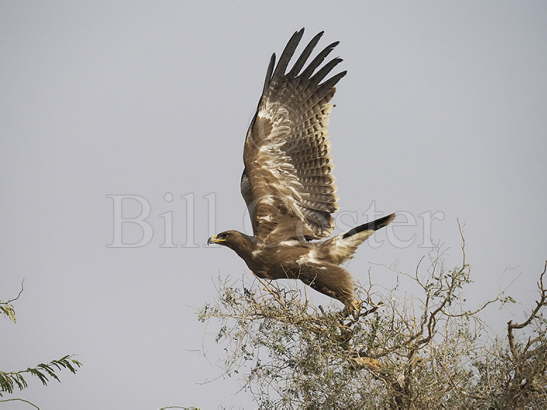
pixel 244 245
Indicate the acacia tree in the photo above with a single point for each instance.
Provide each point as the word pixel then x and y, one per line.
pixel 45 372
pixel 425 352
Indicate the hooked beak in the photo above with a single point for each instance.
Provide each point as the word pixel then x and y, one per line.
pixel 215 239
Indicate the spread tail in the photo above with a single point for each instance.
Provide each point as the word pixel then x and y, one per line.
pixel 370 226
pixel 339 249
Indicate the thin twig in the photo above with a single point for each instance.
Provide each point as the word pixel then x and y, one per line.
pixel 22 400
pixel 16 297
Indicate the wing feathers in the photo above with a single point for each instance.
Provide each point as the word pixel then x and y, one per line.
pixel 318 60
pixel 269 73
pixel 288 167
pixel 328 85
pixel 305 55
pixel 324 71
pixel 288 53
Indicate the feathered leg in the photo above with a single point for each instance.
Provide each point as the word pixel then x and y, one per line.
pixel 331 280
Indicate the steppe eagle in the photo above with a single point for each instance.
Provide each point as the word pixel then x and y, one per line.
pixel 287 180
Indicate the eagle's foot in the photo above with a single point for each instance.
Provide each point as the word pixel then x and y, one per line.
pixel 353 309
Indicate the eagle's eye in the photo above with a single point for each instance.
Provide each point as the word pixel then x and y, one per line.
pixel 222 235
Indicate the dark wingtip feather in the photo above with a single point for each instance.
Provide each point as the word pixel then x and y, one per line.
pixel 331 82
pixel 305 55
pixel 288 52
pixel 316 62
pixel 328 86
pixel 277 71
pixel 325 70
pixel 269 73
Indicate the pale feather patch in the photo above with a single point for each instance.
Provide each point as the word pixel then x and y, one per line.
pixel 274 161
pixel 267 218
pixel 292 242
pixel 341 249
pixel 310 257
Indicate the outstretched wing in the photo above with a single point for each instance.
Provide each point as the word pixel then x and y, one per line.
pixel 287 182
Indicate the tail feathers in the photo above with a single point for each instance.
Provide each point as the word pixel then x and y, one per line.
pixel 370 226
pixel 339 249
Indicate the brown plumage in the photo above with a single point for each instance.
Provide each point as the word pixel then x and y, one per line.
pixel 287 181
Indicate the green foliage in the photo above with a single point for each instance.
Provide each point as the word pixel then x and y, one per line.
pixel 6 307
pixel 45 372
pixel 8 311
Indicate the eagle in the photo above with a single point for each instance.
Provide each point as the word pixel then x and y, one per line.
pixel 287 180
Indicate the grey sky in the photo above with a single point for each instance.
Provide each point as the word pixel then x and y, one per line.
pixel 444 109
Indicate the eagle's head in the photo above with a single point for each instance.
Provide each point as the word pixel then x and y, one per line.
pixel 232 239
